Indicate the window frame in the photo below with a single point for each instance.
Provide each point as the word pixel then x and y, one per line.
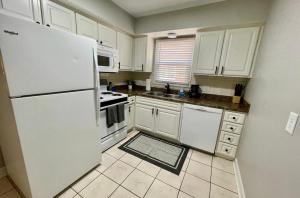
pixel 159 83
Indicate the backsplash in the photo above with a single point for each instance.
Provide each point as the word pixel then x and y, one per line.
pixel 209 84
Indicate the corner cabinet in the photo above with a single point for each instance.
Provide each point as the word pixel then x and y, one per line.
pixel 158 116
pixel 86 27
pixel 59 17
pixel 143 54
pixel 25 9
pixel 125 48
pixel 226 52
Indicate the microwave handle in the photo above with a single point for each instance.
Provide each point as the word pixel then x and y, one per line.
pixel 97 89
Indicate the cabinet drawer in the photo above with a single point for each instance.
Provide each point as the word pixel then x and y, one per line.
pixel 159 103
pixel 131 99
pixel 226 150
pixel 231 127
pixel 234 117
pixel 229 138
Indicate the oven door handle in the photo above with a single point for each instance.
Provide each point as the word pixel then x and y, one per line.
pixel 102 109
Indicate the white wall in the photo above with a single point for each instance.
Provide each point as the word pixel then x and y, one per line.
pixel 230 12
pixel 106 10
pixel 269 157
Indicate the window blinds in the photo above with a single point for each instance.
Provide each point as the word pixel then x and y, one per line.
pixel 173 60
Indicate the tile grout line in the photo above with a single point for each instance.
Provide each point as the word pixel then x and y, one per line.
pixel 152 183
pixel 211 168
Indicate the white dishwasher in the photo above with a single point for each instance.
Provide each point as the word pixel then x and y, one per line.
pixel 200 127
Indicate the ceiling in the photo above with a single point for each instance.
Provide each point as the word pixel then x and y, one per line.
pixel 139 8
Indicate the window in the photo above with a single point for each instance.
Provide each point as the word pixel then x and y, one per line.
pixel 173 60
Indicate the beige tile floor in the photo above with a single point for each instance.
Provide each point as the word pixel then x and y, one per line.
pixel 122 175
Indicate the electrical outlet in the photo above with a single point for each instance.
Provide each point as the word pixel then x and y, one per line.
pixel 291 124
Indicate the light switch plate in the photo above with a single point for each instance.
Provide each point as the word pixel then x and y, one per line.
pixel 291 124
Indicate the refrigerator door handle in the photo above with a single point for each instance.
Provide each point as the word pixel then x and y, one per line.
pixel 97 83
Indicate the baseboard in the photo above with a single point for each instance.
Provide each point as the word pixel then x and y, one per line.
pixel 3 172
pixel 238 178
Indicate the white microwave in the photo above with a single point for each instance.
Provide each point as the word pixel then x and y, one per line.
pixel 108 60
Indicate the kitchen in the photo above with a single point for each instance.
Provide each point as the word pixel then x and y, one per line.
pixel 149 99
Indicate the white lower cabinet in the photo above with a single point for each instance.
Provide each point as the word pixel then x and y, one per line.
pixel 158 116
pixel 167 123
pixel 144 118
pixel 230 133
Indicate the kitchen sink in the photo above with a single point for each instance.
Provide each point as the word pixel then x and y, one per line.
pixel 162 94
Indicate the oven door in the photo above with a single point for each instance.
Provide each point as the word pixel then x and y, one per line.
pixel 116 128
pixel 106 60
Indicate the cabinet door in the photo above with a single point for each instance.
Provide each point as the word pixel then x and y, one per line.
pixel 238 51
pixel 167 123
pixel 22 7
pixel 131 112
pixel 124 43
pixel 86 27
pixel 144 117
pixel 140 50
pixel 59 17
pixel 107 36
pixel 207 52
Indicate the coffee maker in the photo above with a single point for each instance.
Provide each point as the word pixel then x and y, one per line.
pixel 195 91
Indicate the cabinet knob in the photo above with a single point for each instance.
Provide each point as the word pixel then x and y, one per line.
pixel 229 139
pixel 233 117
pixel 38 22
pixel 231 128
pixel 101 42
pixel 48 25
pixel 226 150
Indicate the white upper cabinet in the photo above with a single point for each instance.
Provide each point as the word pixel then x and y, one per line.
pixel 140 50
pixel 143 54
pixel 239 51
pixel 86 27
pixel 27 9
pixel 124 46
pixel 207 52
pixel 59 17
pixel 107 36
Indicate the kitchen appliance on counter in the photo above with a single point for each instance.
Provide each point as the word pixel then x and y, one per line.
pixel 49 112
pixel 112 134
pixel 200 127
pixel 108 59
pixel 195 91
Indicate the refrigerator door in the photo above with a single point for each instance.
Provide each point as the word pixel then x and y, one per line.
pixel 40 60
pixel 59 139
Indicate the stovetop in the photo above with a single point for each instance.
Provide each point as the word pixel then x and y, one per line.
pixel 109 96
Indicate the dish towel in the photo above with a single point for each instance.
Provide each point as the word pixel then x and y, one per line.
pixel 111 116
pixel 121 113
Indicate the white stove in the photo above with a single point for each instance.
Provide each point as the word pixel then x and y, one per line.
pixel 113 134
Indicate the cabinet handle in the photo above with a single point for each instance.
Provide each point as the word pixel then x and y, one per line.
pixel 216 72
pixel 119 65
pixel 222 70
pixel 129 109
pixel 152 111
pixel 156 111
pixel 38 22
pixel 48 25
pixel 142 67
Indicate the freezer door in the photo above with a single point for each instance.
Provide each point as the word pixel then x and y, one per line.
pixel 59 138
pixel 38 59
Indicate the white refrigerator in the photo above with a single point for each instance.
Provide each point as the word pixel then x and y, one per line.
pixel 49 103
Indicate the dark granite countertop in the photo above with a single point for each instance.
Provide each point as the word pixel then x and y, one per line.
pixel 209 100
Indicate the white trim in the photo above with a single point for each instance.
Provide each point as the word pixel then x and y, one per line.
pixel 3 172
pixel 238 178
